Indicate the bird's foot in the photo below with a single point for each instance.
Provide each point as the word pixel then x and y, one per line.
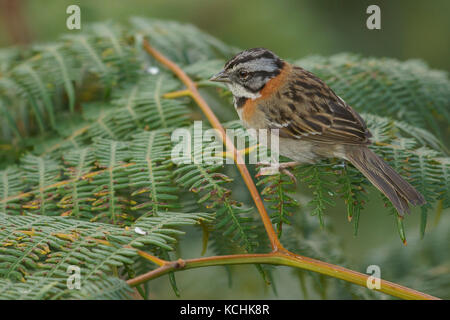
pixel 275 168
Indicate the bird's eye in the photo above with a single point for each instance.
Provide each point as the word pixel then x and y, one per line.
pixel 243 74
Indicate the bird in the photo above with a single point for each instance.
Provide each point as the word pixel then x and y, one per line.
pixel 311 120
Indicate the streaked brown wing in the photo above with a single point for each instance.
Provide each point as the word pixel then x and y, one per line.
pixel 308 109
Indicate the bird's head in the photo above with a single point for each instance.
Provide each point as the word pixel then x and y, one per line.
pixel 248 72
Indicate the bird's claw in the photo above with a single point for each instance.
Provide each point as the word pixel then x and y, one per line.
pixel 275 168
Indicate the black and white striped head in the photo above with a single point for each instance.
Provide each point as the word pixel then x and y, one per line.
pixel 248 72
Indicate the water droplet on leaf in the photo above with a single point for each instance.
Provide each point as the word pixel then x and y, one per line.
pixel 153 70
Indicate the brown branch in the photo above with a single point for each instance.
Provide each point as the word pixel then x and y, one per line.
pixel 192 88
pixel 282 258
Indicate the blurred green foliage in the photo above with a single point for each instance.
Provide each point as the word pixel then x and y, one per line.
pixel 292 28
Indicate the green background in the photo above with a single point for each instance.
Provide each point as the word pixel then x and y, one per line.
pixel 293 29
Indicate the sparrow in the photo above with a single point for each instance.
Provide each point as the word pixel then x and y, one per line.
pixel 312 122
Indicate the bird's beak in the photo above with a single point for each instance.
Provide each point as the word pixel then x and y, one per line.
pixel 220 77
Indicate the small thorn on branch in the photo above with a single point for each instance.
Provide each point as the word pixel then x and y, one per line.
pixel 179 264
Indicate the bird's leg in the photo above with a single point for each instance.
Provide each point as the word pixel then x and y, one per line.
pixel 268 168
pixel 283 167
pixel 291 164
pixel 275 167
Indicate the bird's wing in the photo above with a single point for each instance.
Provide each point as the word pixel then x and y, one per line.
pixel 307 109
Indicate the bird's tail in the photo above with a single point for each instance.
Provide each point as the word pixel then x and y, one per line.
pixel 382 176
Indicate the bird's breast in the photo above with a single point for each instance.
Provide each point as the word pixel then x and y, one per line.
pixel 251 114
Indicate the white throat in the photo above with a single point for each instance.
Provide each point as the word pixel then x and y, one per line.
pixel 239 91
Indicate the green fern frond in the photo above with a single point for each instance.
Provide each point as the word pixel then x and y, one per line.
pixel 61 69
pixel 444 188
pixel 7 122
pixel 89 50
pixel 101 117
pixel 277 190
pixel 38 288
pixel 75 195
pixel 182 43
pixel 317 178
pixel 8 58
pixel 203 70
pixel 351 188
pixel 134 107
pixel 70 133
pixel 109 202
pixel 119 52
pixel 418 165
pixel 142 105
pixel 44 247
pixel 41 172
pixel 110 288
pixel 37 91
pixel 11 184
pixel 151 173
pixel 427 179
pixel 233 219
